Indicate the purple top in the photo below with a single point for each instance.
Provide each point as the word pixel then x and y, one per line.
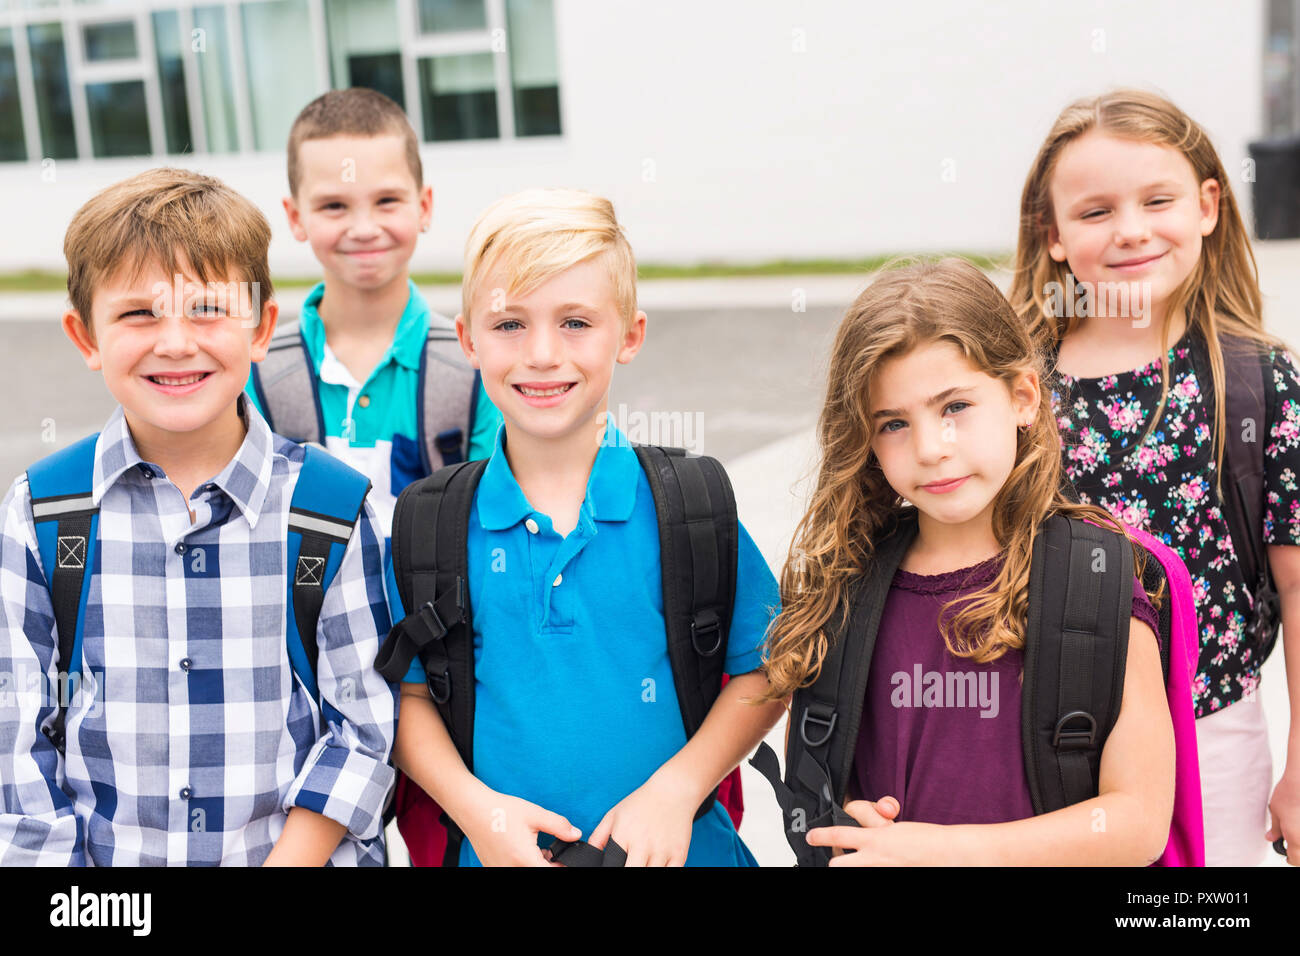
pixel 939 733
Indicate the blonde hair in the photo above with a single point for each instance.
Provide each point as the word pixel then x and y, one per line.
pixel 1221 295
pixel 356 111
pixel 153 216
pixel 853 504
pixel 536 234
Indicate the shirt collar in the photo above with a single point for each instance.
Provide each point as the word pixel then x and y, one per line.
pixel 246 477
pixel 611 489
pixel 409 337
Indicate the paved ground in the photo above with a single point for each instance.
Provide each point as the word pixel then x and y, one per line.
pixel 728 363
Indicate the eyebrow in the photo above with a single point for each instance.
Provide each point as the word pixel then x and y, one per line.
pixel 384 190
pixel 929 402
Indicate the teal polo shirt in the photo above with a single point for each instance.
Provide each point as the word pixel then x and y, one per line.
pixel 575 705
pixel 371 425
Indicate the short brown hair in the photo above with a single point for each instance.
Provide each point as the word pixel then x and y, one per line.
pixel 352 112
pixel 157 214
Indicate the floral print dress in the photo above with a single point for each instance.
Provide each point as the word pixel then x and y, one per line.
pixel 1166 485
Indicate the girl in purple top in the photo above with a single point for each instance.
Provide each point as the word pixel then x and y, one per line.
pixel 937 401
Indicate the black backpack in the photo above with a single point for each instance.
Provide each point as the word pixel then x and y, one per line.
pixel 1076 647
pixel 698 538
pixel 1249 398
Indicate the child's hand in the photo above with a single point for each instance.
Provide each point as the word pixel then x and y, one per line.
pixel 653 824
pixel 505 833
pixel 1284 811
pixel 868 841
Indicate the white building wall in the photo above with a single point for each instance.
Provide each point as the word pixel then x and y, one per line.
pixel 745 130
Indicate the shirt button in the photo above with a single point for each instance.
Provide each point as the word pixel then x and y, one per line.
pixel 146 471
pixel 186 793
pixel 364 401
pixel 531 525
pixel 186 663
pixel 558 579
pixel 180 547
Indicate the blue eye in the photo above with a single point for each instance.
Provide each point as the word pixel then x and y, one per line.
pixel 582 323
pixel 501 326
pixel 963 405
pixel 885 427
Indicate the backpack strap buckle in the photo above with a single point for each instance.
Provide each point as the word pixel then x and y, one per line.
pixel 821 716
pixel 439 686
pixel 1078 739
pixel 703 624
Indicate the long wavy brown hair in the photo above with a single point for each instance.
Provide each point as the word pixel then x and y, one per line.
pixel 1221 295
pixel 852 503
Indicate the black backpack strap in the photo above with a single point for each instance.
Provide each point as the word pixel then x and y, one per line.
pixel 698 541
pixel 1248 407
pixel 431 563
pixel 1076 644
pixel 581 853
pixel 826 715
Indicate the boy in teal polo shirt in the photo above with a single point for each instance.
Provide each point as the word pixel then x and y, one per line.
pixel 368 371
pixel 576 726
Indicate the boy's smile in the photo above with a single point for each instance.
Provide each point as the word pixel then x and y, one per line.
pixel 359 207
pixel 547 357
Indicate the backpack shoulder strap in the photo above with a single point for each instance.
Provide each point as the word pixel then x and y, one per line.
pixel 67 525
pixel 431 563
pixel 286 385
pixel 447 388
pixel 1076 643
pixel 1249 404
pixel 826 715
pixel 327 501
pixel 698 547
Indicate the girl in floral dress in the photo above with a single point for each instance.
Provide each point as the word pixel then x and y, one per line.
pixel 1134 268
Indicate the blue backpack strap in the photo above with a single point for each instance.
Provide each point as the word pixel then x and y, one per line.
pixel 67 524
pixel 326 504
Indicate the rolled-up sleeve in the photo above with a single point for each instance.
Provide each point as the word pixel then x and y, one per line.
pixel 346 776
pixel 38 824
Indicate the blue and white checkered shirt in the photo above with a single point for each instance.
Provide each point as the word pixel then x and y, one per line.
pixel 191 738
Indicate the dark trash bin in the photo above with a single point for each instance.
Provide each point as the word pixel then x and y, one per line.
pixel 1277 188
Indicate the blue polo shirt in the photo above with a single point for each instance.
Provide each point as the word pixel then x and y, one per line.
pixel 371 425
pixel 575 705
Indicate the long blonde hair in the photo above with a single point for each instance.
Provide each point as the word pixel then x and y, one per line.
pixel 1221 295
pixel 853 505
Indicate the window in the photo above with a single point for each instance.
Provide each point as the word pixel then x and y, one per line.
pixel 98 78
pixel 449 16
pixel 12 144
pixel 53 96
pixel 113 40
pixel 1282 68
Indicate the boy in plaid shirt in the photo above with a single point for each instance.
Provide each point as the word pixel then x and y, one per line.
pixel 191 740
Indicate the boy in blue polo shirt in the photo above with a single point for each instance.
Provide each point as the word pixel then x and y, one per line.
pixel 576 724
pixel 387 389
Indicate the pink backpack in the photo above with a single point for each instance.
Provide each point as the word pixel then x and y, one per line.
pixel 1180 640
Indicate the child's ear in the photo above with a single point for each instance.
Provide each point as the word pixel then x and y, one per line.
pixel 426 207
pixel 265 329
pixel 81 336
pixel 1054 247
pixel 1210 192
pixel 466 340
pixel 633 339
pixel 295 219
pixel 1025 395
